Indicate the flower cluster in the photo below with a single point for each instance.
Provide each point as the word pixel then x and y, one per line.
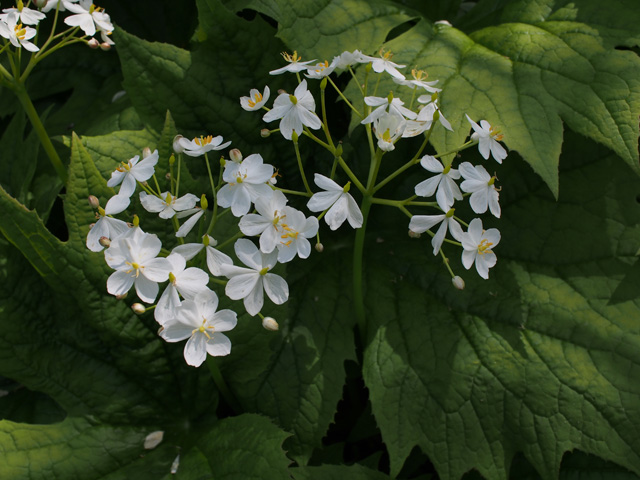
pixel 16 23
pixel 270 229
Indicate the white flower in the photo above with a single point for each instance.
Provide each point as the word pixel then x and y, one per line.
pixel 478 244
pixel 88 17
pixel 131 171
pixel 198 321
pixel 255 100
pixel 346 59
pixel 294 111
pixel 444 182
pixel 295 65
pixel 187 282
pixel 388 128
pixel 133 256
pixel 215 258
pixel 53 4
pixel 167 205
pixel 107 226
pixel 17 34
pixel 487 140
pixel 427 112
pixel 24 14
pixel 246 182
pixel 201 145
pixel 343 206
pixel 267 222
pixel 395 107
pixel 422 223
pixel 482 188
pixel 320 70
pixel 383 63
pixel 418 81
pixel 296 229
pixel 250 283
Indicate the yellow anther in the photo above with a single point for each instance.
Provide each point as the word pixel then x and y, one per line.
pixel 20 32
pixel 257 98
pixel 484 247
pixel 291 58
pixel 419 74
pixel 203 140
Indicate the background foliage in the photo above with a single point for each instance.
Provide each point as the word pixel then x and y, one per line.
pixel 498 381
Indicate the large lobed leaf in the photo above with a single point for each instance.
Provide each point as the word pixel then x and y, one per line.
pixel 536 359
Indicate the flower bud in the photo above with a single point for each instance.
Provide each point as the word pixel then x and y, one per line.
pixel 458 282
pixel 123 296
pixel 413 234
pixel 138 308
pixel 339 149
pixel 323 83
pixel 176 144
pixel 39 3
pixel 236 155
pixel 93 201
pixel 270 324
pixel 146 151
pixel 281 91
pixel 319 247
pixel 203 201
pixel 168 176
pixel 265 132
pixel 93 43
pixel 294 137
pixel 104 46
pixel 105 242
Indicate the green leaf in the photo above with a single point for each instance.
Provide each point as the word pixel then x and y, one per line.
pixel 248 446
pixel 326 28
pixel 534 360
pixel 337 472
pixel 78 448
pixel 296 375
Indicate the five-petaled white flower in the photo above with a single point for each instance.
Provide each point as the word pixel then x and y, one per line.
pixel 133 256
pixel 295 65
pixel 201 145
pixel 478 244
pixel 17 34
pixel 481 185
pixel 296 229
pixel 251 283
pixel 88 17
pixel 343 206
pixel 246 182
pixel 395 107
pixel 388 128
pixel 267 222
pixel 383 63
pixel 418 81
pixel 444 182
pixel 198 321
pixel 167 205
pixel 487 139
pixel 107 226
pixel 422 223
pixel 255 100
pixel 320 70
pixel 294 111
pixel 131 171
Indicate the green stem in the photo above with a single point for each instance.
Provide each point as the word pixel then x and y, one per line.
pixel 300 166
pixel 214 216
pixel 23 96
pixel 351 175
pixel 358 253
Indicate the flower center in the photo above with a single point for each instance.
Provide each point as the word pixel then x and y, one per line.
pixel 172 278
pixel 321 66
pixel 264 271
pixel 291 58
pixel 257 98
pixel 20 32
pixel 124 167
pixel 419 74
pixel 484 247
pixel 202 141
pixel 293 99
pixel 203 329
pixel 134 266
pixel 495 134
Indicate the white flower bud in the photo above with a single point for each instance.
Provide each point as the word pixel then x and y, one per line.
pixel 105 242
pixel 153 440
pixel 265 132
pixel 236 155
pixel 146 151
pixel 93 201
pixel 270 324
pixel 123 296
pixel 176 144
pixel 138 308
pixel 175 465
pixel 458 282
pixel 39 3
pixel 319 247
pixel 104 46
pixel 168 176
pixel 413 234
pixel 93 43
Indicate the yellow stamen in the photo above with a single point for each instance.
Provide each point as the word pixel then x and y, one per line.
pixel 20 32
pixel 258 99
pixel 203 140
pixel 484 247
pixel 419 74
pixel 291 58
